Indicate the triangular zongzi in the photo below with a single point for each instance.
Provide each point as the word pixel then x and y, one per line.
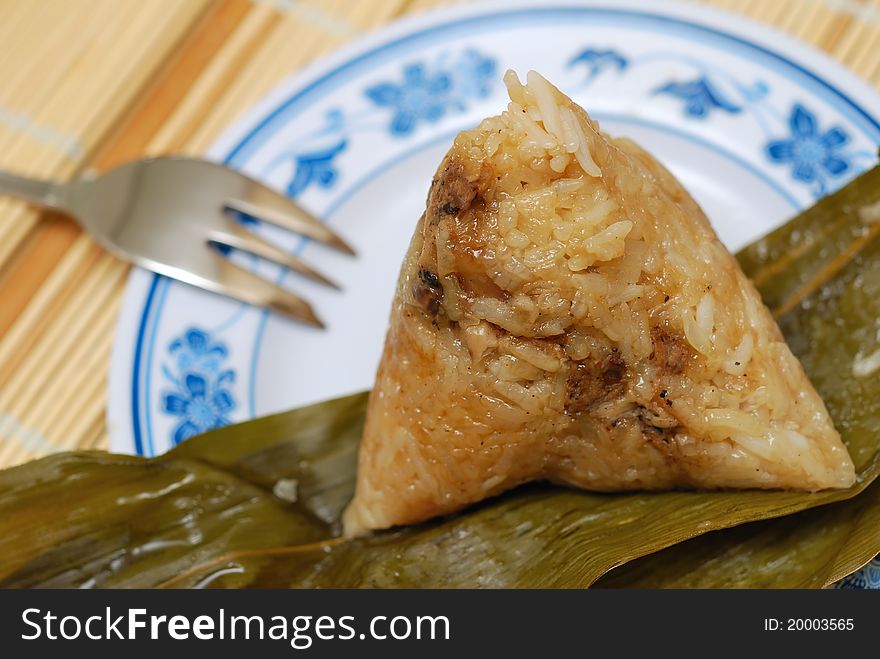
pixel 566 312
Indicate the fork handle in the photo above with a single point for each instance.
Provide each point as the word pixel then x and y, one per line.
pixel 44 193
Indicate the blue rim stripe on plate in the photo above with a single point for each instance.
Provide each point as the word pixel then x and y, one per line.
pixel 259 133
pixel 135 402
pixel 143 441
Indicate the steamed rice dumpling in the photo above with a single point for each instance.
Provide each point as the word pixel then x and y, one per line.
pixel 565 312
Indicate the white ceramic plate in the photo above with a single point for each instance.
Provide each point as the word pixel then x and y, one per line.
pixel 756 125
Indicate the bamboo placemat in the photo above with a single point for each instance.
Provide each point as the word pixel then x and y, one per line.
pixel 92 83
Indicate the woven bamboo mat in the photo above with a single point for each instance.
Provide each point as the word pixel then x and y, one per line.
pixel 88 84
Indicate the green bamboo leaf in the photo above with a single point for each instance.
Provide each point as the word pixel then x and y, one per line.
pixel 811 549
pixel 257 504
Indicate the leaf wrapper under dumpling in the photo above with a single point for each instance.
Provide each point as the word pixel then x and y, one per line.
pixel 205 514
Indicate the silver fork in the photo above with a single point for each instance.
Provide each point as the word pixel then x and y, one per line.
pixel 170 215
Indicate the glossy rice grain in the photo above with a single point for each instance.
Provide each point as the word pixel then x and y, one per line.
pixel 566 312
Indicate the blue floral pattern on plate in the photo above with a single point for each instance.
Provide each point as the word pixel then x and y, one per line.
pixel 598 60
pixel 200 397
pixel 422 95
pixel 317 167
pixel 428 93
pixel 700 97
pixel 815 156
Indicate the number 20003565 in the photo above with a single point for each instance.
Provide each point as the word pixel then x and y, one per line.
pixel 809 624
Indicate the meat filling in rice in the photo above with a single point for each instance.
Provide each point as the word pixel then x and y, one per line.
pixel 566 312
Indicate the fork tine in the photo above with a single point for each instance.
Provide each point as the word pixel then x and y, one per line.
pixel 238 237
pixel 243 285
pixel 265 204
